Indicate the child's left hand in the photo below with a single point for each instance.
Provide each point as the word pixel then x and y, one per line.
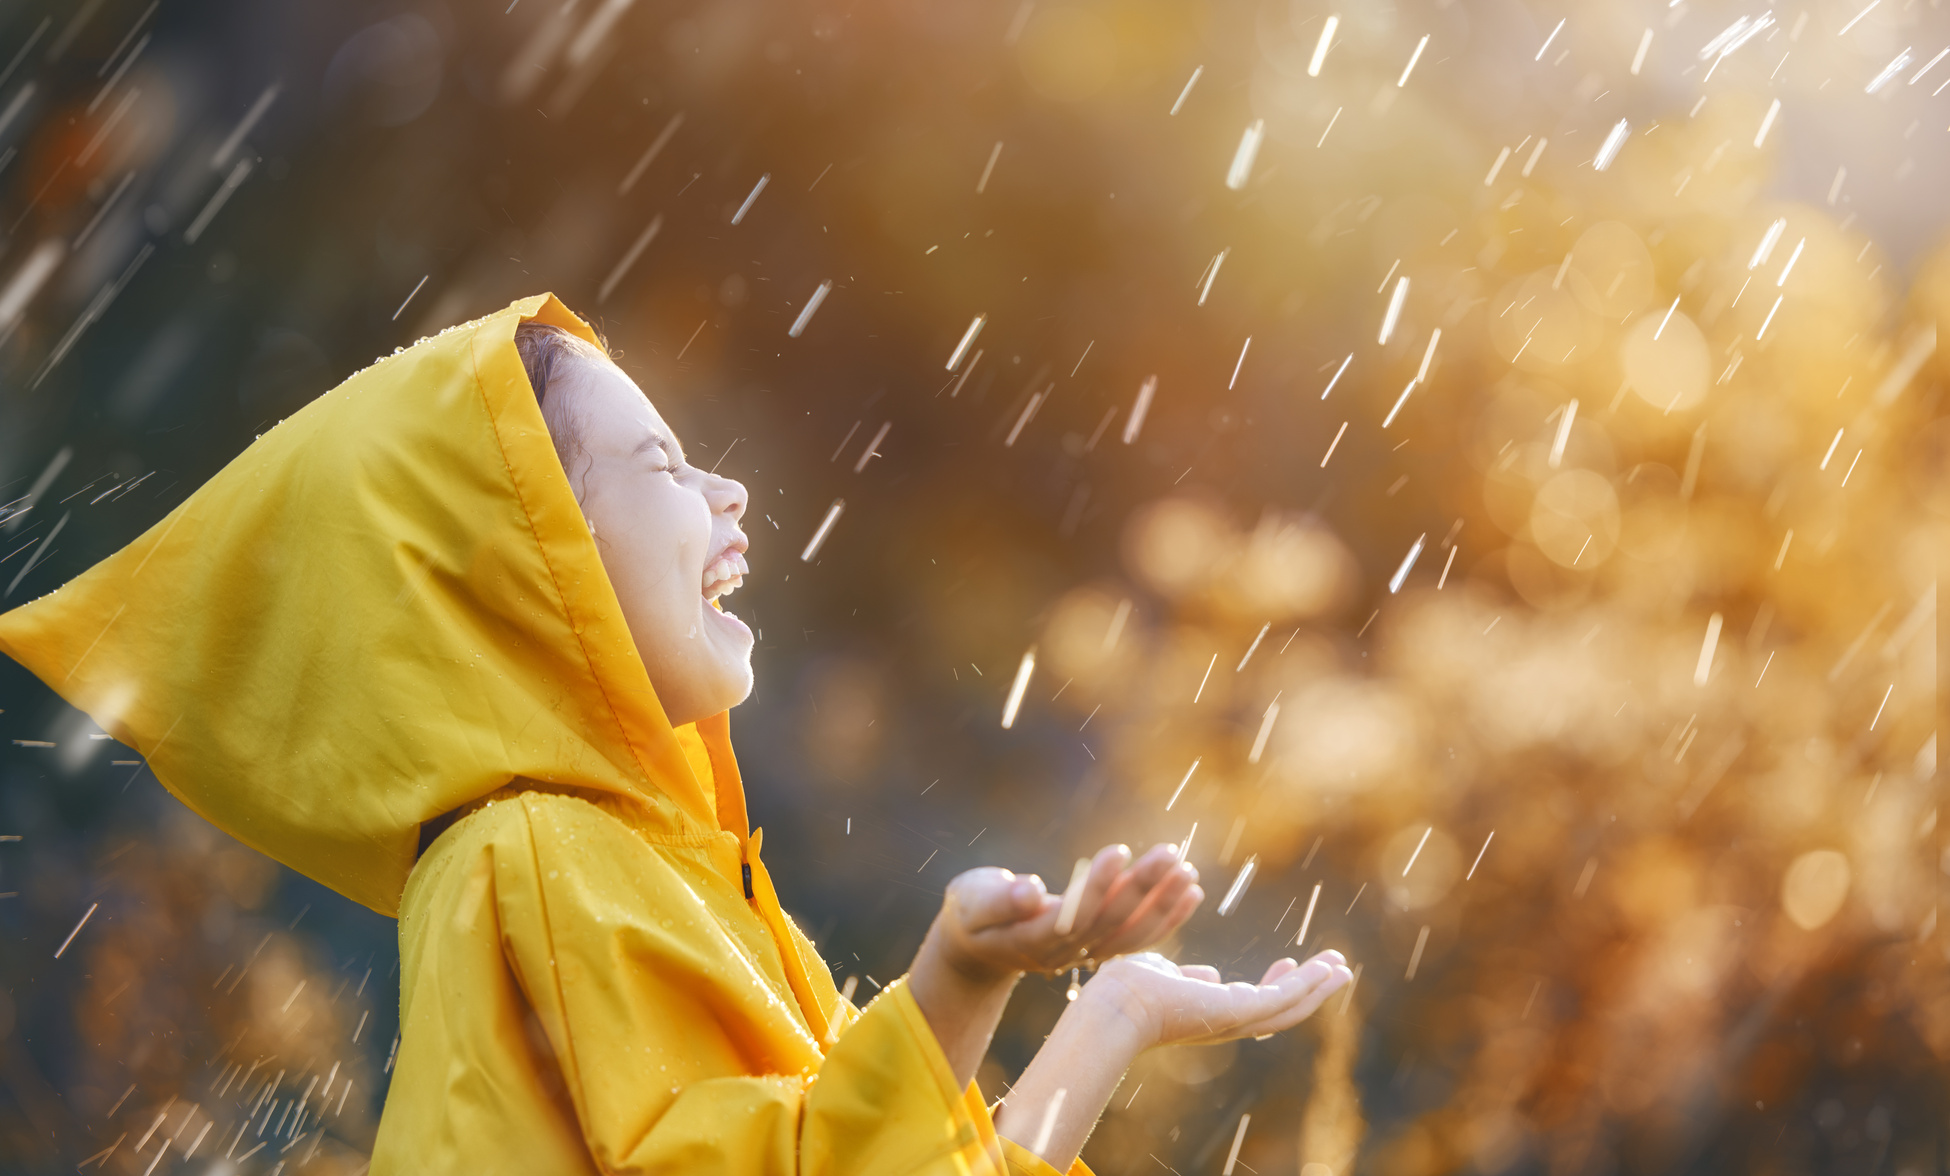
pixel 994 923
pixel 1168 1004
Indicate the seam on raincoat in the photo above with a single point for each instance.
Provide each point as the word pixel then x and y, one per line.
pixel 943 1075
pixel 738 950
pixel 627 811
pixel 528 516
pixel 675 840
pixel 522 786
pixel 572 1072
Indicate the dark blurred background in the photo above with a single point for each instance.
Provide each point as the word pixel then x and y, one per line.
pixel 1585 693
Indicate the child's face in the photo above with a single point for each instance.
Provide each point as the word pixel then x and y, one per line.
pixel 669 539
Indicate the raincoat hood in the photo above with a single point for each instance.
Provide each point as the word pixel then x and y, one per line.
pixel 386 608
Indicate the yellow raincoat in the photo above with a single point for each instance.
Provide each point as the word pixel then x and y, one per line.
pixel 388 609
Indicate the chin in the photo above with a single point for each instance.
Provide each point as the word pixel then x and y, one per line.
pixel 733 686
pixel 745 679
pixel 704 699
pixel 705 678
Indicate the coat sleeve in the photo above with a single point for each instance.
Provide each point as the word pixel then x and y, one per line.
pixel 677 1054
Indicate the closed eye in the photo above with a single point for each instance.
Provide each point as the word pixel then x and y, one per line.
pixel 657 447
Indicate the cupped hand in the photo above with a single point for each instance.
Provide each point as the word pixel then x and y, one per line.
pixel 1169 1004
pixel 994 922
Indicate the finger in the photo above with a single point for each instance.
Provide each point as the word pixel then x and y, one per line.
pixel 1284 967
pixel 1128 891
pixel 1167 908
pixel 1183 911
pixel 1000 899
pixel 1341 978
pixel 1034 937
pixel 1138 929
pixel 1130 898
pixel 1105 870
pixel 1200 972
pixel 1164 911
pixel 1302 1005
pixel 1293 986
pixel 1310 975
pixel 1233 1010
pixel 1147 871
pixel 1157 859
pixel 1288 1018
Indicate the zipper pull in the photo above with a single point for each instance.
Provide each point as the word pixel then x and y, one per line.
pixel 747 868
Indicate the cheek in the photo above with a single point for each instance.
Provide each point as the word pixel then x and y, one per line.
pixel 652 540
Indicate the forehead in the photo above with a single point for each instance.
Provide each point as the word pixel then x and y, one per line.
pixel 616 409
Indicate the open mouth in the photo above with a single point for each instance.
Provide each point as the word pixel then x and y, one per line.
pixel 725 575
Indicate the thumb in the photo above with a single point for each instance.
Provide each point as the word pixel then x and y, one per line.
pixel 994 897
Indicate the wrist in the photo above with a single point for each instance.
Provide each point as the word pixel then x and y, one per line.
pixel 1109 1017
pixel 960 967
pixel 1056 1103
pixel 1113 1013
pixel 961 1009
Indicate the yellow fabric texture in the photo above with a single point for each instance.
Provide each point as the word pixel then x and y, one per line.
pixel 388 608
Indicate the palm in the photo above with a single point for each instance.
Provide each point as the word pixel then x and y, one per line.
pixel 1189 1005
pixel 993 920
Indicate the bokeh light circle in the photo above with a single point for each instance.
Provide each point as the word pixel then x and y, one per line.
pixel 1666 360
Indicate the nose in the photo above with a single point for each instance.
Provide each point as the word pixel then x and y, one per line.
pixel 727 496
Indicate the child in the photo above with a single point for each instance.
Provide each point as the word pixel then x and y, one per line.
pixel 448 640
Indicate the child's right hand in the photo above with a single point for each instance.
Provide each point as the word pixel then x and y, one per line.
pixel 994 923
pixel 1166 1004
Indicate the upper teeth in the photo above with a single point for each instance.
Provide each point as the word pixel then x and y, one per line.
pixel 722 577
